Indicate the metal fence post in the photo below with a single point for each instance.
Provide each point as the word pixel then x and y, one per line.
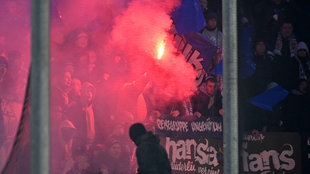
pixel 39 134
pixel 230 87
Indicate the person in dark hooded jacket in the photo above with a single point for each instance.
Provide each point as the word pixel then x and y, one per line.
pixel 152 158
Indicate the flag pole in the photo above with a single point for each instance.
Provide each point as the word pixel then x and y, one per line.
pixel 39 124
pixel 230 87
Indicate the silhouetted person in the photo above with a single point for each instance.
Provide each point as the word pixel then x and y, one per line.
pixel 152 158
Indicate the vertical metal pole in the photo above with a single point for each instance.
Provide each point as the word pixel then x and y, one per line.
pixel 230 87
pixel 39 134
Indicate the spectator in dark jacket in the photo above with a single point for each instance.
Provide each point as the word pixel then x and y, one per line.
pixel 152 158
pixel 208 103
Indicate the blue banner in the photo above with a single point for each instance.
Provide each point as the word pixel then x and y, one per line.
pixel 188 17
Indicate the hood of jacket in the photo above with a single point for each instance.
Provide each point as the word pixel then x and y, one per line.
pixel 148 137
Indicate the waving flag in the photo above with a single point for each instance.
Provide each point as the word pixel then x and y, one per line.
pixel 268 99
pixel 188 17
pixel 19 159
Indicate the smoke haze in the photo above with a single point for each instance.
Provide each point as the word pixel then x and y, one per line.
pixel 122 41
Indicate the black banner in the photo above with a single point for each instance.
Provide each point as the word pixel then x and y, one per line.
pixel 270 153
pixel 193 146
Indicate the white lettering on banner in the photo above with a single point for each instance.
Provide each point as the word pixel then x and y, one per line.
pixel 190 150
pixel 206 126
pixel 192 56
pixel 205 170
pixel 206 154
pixel 264 160
pixel 196 62
pixel 256 136
pixel 183 166
pixel 169 125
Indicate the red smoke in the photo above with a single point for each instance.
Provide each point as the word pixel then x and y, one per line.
pixel 132 31
pixel 136 35
pixel 129 33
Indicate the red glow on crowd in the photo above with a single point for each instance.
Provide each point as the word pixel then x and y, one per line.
pixel 104 60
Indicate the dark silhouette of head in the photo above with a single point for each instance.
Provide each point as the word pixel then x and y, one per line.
pixel 136 131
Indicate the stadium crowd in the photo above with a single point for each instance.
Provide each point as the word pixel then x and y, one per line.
pixel 94 97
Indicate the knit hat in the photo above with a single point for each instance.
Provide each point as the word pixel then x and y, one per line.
pixel 136 131
pixel 82 34
pixel 257 40
pixel 112 141
pixel 303 45
pixel 88 86
pixel 210 15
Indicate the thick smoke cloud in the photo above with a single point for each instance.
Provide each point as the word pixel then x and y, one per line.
pixel 123 39
pixel 126 36
pixel 15 60
pixel 137 33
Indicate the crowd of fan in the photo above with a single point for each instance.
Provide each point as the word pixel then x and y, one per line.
pixel 279 57
pixel 273 51
pixel 91 91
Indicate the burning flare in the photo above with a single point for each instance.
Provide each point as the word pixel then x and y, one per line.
pixel 160 50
